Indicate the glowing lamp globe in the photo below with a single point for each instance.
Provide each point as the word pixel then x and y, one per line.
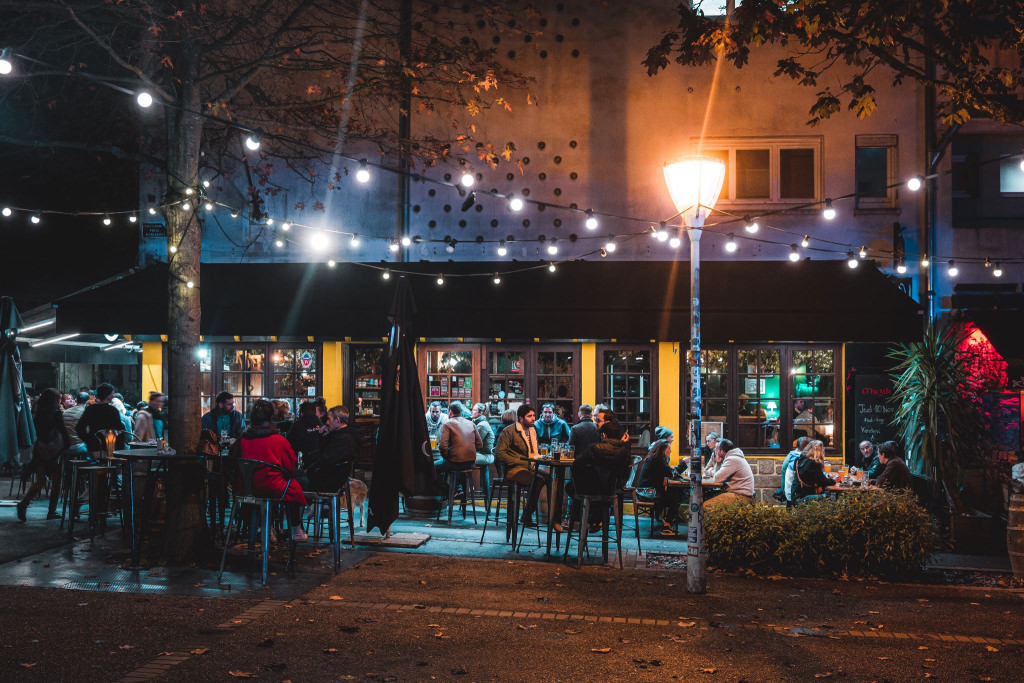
pixel 694 184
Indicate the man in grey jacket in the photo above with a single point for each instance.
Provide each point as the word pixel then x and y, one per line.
pixel 734 472
pixel 485 456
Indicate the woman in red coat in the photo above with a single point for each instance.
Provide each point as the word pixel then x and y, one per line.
pixel 263 442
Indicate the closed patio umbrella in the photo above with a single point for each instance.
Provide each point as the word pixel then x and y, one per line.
pixel 16 427
pixel 399 464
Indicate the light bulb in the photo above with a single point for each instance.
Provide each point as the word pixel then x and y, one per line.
pixel 952 270
pixel 828 212
pixel 609 246
pixel 674 241
pixel 36 218
pixel 502 249
pixel 997 271
pixel 106 219
pixel 901 267
pixel 730 244
pixel 6 65
pixel 497 279
pixel 189 191
pixel 234 214
pixel 1022 162
pixel 450 247
pixel 988 262
pixel 253 142
pixel 591 221
pixel 318 240
pixel 663 236
pixel 393 244
pixel 515 203
pixel 354 242
pixel 173 249
pixel 7 212
pixel 209 207
pixel 806 241
pixel 924 261
pixel 863 253
pixel 286 226
pixel 750 226
pixel 552 247
pixel 152 211
pixel 551 267
pixel 440 279
pixel 186 205
pixel 386 275
pixel 270 220
pixel 406 240
pixel 794 255
pixel 278 243
pixel 467 179
pixel 851 260
pixel 914 184
pixel 363 174
pixel 206 183
pixel 331 263
pixel 133 218
pixel 144 99
pixel 190 284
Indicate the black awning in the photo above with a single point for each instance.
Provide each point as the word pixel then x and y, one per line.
pixel 624 300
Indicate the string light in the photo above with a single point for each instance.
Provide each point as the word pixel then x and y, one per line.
pixel 914 184
pixel 863 253
pixel 209 207
pixel 662 234
pixel 354 242
pixel 730 244
pixel 591 221
pixel 924 260
pixel 553 247
pixel 189 191
pixel 106 219
pixel 450 247
pixel 502 249
pixel 828 212
pixel 603 252
pixel 36 218
pixel 252 143
pixel 318 241
pixel 851 261
pixel 331 263
pixel 206 183
pixel 988 263
pixel 278 243
pixel 750 225
pixel 386 274
pixel 286 226
pixel 951 269
pixel 363 174
pixel 6 65
pixel 674 242
pixel 440 279
pixel 393 245
pixel 998 270
pixel 190 284
pixel 901 267
pixel 144 99
pixel 794 255
pixel 469 202
pixel 514 203
pixel 152 211
pixel 6 212
pixel 186 205
pixel 134 217
pixel 467 179
pixel 609 246
pixel 173 249
pixel 406 241
pixel 806 241
pixel 270 220
pixel 551 267
pixel 234 214
pixel 497 279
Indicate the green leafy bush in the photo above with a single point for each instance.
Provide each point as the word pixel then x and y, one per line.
pixel 875 533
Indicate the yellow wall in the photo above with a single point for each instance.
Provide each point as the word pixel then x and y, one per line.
pixel 331 371
pixel 588 373
pixel 670 356
pixel 152 368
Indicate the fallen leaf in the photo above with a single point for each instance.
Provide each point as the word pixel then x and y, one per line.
pixel 337 597
pixel 707 671
pixel 433 625
pixel 922 647
pixel 26 665
pixel 883 658
pixel 126 647
pixel 991 649
pixel 687 624
pixel 331 651
pixel 241 674
pixel 827 674
pixel 929 675
pixel 200 650
pixel 929 659
pixel 571 632
pixel 601 649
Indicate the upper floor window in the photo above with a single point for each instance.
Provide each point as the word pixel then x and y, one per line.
pixel 1011 175
pixel 876 171
pixel 768 170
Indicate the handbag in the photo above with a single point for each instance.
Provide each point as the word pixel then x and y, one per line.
pixel 209 443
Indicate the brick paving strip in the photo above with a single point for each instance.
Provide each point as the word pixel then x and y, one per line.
pixel 167 660
pixel 702 623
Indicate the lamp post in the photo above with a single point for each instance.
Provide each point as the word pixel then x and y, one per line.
pixel 694 184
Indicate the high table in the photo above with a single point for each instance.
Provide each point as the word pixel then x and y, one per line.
pixel 149 456
pixel 558 468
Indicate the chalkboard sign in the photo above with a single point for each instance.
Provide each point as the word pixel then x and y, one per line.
pixel 872 413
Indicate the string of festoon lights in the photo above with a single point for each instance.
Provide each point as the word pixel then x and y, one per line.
pixel 729 226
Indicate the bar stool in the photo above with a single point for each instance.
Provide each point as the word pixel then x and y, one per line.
pixel 500 488
pixel 607 502
pixel 462 476
pixel 70 485
pixel 98 482
pixel 317 501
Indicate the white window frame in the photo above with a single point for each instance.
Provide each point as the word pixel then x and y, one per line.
pixel 891 199
pixel 774 145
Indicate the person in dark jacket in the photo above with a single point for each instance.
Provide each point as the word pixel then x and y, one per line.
pixel 584 433
pixel 51 444
pixel 601 468
pixel 869 461
pixel 304 436
pixel 101 415
pixel 550 427
pixel 223 417
pixel 339 448
pixel 810 473
pixel 896 475
pixel 652 484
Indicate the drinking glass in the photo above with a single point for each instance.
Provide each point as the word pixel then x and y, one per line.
pixel 433 443
pixel 542 449
pixel 570 452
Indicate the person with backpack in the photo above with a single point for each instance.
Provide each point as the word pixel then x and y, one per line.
pixel 784 494
pixel 51 444
pixel 811 480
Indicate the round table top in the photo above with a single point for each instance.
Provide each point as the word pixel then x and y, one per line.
pixel 141 444
pixel 152 454
pixel 564 462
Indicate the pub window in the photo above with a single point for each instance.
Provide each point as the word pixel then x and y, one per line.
pixel 449 376
pixel 714 374
pixel 556 382
pixel 205 378
pixel 506 379
pixel 875 171
pixel 627 388
pixel 242 374
pixel 367 362
pixel 813 391
pixel 768 170
pixel 759 400
pixel 294 375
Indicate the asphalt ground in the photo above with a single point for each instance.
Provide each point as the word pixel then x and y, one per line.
pixel 405 616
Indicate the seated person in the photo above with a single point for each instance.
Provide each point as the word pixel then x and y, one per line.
pixel 516 444
pixel 601 469
pixel 339 448
pixel 460 441
pixel 896 475
pixel 870 462
pixel 304 435
pixel 785 492
pixel 652 485
pixel 733 471
pixel 811 480
pixel 262 442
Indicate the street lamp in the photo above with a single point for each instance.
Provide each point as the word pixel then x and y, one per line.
pixel 694 184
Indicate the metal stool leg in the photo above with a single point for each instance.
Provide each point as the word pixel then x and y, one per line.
pixel 581 545
pixel 351 515
pixel 227 540
pixel 336 533
pixel 266 538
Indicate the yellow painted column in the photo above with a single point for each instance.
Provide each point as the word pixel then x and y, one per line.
pixel 669 357
pixel 152 368
pixel 332 372
pixel 588 373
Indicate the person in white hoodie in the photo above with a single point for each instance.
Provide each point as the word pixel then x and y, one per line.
pixel 735 473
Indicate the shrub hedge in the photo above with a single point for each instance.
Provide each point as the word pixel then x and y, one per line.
pixel 874 533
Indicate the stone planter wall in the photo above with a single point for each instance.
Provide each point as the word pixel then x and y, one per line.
pixel 768 475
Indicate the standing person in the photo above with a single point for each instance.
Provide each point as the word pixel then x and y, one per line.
pixel 71 417
pixel 896 474
pixel 584 433
pixel 652 484
pixel 460 442
pixel 126 420
pixel 484 456
pixel 223 418
pixel 150 421
pixel 516 444
pixel 339 448
pixel 262 442
pixel 550 427
pixel 51 444
pixel 99 416
pixel 304 436
pixel 435 421
pixel 735 472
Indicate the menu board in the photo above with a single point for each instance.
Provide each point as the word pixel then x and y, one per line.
pixel 872 412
